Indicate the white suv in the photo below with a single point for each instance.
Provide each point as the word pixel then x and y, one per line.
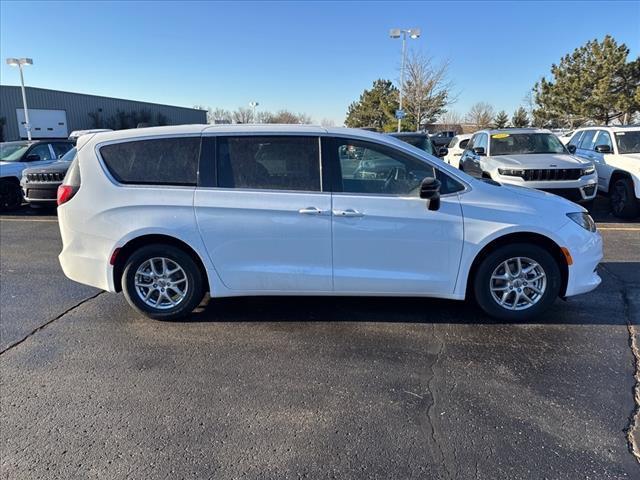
pixel 533 158
pixel 168 213
pixel 616 154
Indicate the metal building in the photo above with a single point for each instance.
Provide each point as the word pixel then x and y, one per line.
pixel 55 114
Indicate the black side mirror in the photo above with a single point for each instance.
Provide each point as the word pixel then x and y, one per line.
pixel 603 149
pixel 479 151
pixel 32 157
pixel 442 151
pixel 571 148
pixel 430 190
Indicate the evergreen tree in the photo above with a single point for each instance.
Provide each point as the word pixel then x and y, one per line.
pixel 375 108
pixel 520 118
pixel 501 119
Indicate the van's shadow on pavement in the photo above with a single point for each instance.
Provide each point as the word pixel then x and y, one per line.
pixel 604 306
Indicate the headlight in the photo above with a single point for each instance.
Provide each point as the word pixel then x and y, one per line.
pixel 584 220
pixel 510 172
pixel 588 170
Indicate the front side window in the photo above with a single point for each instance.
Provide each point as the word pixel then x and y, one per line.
pixel 463 144
pixel 525 143
pixel 604 138
pixel 269 162
pixel 481 142
pixel 373 169
pixel 42 151
pixel 61 148
pixel 163 161
pixel 628 142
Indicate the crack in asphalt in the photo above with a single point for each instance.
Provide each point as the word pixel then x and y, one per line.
pixel 634 416
pixel 433 403
pixel 49 322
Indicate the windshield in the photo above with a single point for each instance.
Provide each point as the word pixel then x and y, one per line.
pixel 423 143
pixel 12 151
pixel 525 143
pixel 628 142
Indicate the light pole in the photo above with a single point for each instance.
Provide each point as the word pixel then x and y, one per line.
pixel 19 62
pixel 253 106
pixel 397 33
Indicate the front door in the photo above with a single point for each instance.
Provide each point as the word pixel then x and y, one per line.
pixel 385 240
pixel 267 223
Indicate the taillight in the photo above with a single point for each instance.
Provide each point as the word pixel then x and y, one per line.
pixel 66 193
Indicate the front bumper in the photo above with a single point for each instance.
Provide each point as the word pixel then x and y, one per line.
pixel 40 192
pixel 586 251
pixel 584 189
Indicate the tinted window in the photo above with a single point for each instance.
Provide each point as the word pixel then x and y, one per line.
pixel 61 148
pixel 418 141
pixel 370 168
pixel 586 142
pixel 273 163
pixel 464 143
pixel 165 161
pixel 628 142
pixel 575 140
pixel 42 150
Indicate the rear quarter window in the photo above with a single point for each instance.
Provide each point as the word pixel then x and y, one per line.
pixel 164 161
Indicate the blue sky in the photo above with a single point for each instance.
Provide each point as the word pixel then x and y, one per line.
pixel 313 57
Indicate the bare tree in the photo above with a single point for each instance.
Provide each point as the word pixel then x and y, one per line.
pixel 219 115
pixel 427 89
pixel 481 115
pixel 327 122
pixel 451 120
pixel 243 115
pixel 285 116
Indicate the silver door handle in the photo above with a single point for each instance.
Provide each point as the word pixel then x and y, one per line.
pixel 310 211
pixel 350 212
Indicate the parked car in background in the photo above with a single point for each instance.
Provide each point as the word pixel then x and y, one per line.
pixel 40 184
pixel 421 141
pixel 167 214
pixel 16 156
pixel 442 139
pixel 78 133
pixel 456 147
pixel 533 158
pixel 615 152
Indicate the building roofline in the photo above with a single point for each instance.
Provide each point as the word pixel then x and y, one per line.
pixel 104 96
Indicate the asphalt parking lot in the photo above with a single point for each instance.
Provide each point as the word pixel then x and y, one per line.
pixel 312 387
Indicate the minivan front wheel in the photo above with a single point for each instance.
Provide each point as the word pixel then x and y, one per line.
pixel 162 282
pixel 517 282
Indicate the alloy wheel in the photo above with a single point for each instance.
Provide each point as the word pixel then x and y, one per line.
pixel 518 283
pixel 161 283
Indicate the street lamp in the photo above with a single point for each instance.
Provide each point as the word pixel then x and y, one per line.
pixel 19 62
pixel 253 106
pixel 397 33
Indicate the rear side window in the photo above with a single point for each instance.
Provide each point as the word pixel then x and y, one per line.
pixel 163 161
pixel 269 162
pixel 586 143
pixel 464 143
pixel 575 140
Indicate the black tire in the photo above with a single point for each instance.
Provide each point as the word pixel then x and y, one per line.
pixel 623 199
pixel 482 281
pixel 194 282
pixel 10 195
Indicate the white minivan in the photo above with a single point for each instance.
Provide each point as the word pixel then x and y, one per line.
pixel 167 214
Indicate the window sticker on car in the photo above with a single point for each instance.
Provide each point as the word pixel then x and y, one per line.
pixel 619 134
pixel 500 135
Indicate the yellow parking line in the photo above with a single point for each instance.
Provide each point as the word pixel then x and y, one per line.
pixel 620 229
pixel 44 220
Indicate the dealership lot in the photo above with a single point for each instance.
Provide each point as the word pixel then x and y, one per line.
pixel 311 387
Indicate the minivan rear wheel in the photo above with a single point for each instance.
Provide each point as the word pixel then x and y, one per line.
pixel 517 282
pixel 162 282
